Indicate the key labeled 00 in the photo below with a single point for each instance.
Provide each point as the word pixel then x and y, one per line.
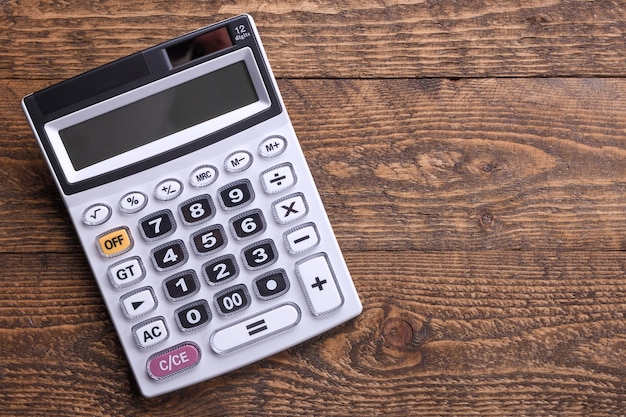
pixel 232 300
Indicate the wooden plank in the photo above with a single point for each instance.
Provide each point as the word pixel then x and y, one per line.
pixel 412 38
pixel 483 220
pixel 461 331
pixel 521 164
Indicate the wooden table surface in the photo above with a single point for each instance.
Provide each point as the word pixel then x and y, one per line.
pixel 471 155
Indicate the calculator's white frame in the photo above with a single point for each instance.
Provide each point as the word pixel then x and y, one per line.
pixel 76 202
pixel 166 143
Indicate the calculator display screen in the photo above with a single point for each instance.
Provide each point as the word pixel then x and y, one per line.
pixel 159 115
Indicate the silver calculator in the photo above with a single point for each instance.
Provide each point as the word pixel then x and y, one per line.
pixel 194 204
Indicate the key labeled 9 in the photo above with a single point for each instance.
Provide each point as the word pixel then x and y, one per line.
pixel 236 195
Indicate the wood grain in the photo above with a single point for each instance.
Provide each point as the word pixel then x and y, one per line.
pixel 471 158
pixel 339 39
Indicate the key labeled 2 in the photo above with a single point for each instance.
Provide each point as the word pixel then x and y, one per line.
pixel 220 270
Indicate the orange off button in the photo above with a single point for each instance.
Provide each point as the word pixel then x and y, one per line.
pixel 115 242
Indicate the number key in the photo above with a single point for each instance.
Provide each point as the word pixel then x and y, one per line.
pixel 182 285
pixel 193 315
pixel 232 300
pixel 169 255
pixel 247 224
pixel 236 195
pixel 259 255
pixel 157 225
pixel 209 240
pixel 197 209
pixel 220 270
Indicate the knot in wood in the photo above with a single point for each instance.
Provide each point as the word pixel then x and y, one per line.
pixel 397 333
pixel 489 167
pixel 486 219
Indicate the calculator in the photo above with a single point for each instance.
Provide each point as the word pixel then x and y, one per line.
pixel 194 205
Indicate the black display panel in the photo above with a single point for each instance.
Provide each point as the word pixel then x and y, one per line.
pixel 159 115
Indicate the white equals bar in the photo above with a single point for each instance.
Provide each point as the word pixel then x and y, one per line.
pixel 252 329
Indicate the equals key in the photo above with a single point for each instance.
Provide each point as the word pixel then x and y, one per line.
pixel 258 327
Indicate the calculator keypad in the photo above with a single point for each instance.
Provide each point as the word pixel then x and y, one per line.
pixel 217 259
pixel 197 212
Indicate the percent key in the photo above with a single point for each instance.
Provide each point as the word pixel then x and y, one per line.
pixel 133 202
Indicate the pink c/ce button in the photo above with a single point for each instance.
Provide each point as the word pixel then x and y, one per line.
pixel 173 360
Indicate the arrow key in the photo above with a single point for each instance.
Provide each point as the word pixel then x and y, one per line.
pixel 138 302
